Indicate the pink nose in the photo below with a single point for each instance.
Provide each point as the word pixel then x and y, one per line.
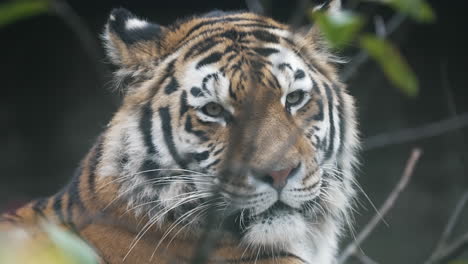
pixel 280 177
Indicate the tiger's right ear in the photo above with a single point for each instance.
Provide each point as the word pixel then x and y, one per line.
pixel 330 6
pixel 131 41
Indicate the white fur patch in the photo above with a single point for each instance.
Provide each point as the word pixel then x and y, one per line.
pixel 135 23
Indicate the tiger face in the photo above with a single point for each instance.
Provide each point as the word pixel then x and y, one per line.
pixel 236 112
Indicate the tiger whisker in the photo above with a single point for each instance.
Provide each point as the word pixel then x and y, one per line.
pixel 180 220
pixel 154 219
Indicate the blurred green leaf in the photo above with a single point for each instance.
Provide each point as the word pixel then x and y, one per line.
pixel 460 261
pixel 392 63
pixel 419 10
pixel 340 28
pixel 50 244
pixel 72 246
pixel 15 10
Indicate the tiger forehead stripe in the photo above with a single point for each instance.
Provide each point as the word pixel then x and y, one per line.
pixel 215 21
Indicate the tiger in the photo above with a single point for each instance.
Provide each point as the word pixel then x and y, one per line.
pixel 235 142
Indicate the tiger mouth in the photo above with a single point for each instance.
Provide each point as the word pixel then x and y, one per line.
pixel 278 208
pixel 239 222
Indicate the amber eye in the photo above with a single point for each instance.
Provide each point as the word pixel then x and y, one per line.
pixel 213 110
pixel 294 98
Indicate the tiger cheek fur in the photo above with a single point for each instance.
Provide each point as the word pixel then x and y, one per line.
pixel 229 111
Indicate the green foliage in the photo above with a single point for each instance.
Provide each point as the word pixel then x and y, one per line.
pixel 416 9
pixel 392 63
pixel 460 261
pixel 15 10
pixel 344 27
pixel 72 246
pixel 51 245
pixel 339 28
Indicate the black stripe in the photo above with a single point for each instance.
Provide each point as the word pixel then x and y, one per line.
pixel 146 127
pixel 265 51
pixel 213 163
pixel 319 116
pixel 74 196
pixel 282 66
pixel 150 166
pixel 168 72
pixel 189 129
pixel 265 36
pixel 201 47
pixel 213 21
pixel 256 25
pixel 331 144
pixel 317 139
pixel 201 156
pixel 299 74
pixel 183 104
pixel 168 136
pixel 39 205
pixel 93 165
pixel 231 92
pixel 212 58
pixel 197 92
pixel 172 86
pixel 205 81
pixel 57 206
pixel 218 151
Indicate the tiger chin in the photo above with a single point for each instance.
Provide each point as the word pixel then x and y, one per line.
pixel 229 116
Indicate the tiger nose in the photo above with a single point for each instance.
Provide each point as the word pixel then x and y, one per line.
pixel 278 178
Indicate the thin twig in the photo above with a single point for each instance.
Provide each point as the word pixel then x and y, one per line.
pixel 362 56
pixel 388 204
pixel 442 249
pixel 453 250
pixel 417 133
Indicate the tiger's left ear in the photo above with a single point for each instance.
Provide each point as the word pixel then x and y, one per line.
pixel 131 41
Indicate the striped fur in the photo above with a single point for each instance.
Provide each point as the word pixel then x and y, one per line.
pixel 163 164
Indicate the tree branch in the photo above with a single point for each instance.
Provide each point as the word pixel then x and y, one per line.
pixel 417 133
pixel 445 251
pixel 388 204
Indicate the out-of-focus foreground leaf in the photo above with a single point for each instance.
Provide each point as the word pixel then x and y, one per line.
pixel 15 10
pixel 54 246
pixel 73 246
pixel 392 63
pixel 419 10
pixel 460 261
pixel 339 28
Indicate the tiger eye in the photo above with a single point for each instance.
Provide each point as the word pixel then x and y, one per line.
pixel 294 98
pixel 213 109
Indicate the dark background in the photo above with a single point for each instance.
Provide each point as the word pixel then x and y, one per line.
pixel 53 106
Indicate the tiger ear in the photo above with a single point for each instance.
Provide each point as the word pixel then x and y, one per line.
pixel 330 6
pixel 327 6
pixel 131 41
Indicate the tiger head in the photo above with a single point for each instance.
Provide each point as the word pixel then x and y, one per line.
pixel 236 112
